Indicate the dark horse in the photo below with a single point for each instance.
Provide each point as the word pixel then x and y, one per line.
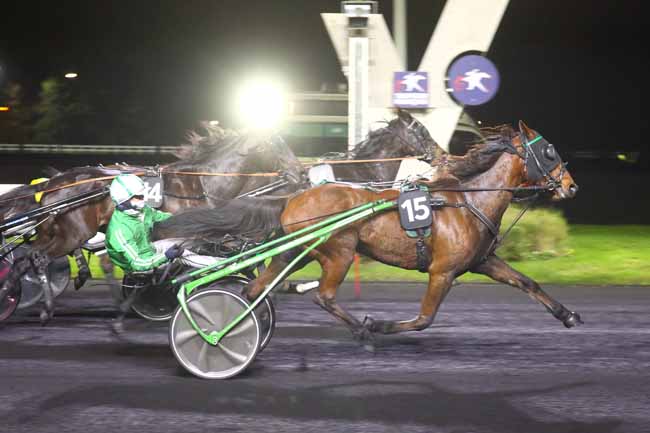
pixel 403 136
pixel 12 203
pixel 239 157
pixel 462 233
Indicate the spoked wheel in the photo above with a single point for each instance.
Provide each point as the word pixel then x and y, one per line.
pixel 213 309
pixel 58 274
pixel 265 312
pixel 9 304
pixel 155 303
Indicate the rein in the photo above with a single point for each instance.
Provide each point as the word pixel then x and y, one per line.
pixel 73 184
pixel 363 161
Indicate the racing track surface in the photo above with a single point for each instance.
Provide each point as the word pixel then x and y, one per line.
pixel 494 361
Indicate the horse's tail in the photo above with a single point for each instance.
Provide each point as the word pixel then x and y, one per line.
pixel 249 217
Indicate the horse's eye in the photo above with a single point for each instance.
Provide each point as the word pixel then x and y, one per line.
pixel 549 152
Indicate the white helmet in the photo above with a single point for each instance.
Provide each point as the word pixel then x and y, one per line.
pixel 126 186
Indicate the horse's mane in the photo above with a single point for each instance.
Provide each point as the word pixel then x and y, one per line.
pixel 370 146
pixel 201 147
pixel 482 156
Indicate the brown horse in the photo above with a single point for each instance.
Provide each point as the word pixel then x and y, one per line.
pixel 462 233
pixel 219 152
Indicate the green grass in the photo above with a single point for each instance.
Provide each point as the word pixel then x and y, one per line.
pixel 599 255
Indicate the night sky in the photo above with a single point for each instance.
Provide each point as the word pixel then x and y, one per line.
pixel 573 69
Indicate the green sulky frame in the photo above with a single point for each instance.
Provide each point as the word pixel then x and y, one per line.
pixel 315 233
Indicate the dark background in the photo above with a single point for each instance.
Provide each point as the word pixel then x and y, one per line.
pixel 574 70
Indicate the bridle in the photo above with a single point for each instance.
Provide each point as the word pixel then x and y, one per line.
pixel 415 129
pixel 540 159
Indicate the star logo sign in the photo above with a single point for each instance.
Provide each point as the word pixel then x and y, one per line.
pixel 472 80
pixel 411 82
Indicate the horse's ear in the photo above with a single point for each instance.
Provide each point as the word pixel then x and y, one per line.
pixel 525 130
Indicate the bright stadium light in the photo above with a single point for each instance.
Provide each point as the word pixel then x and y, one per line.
pixel 71 75
pixel 262 104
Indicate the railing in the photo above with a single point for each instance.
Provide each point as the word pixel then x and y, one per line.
pixel 76 149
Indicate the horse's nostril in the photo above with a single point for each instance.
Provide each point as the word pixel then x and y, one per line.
pixel 573 189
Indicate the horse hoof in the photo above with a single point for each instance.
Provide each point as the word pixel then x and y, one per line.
pixel 369 323
pixel 573 319
pixel 117 327
pixel 363 335
pixel 45 317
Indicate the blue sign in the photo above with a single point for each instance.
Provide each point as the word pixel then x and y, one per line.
pixel 473 80
pixel 411 89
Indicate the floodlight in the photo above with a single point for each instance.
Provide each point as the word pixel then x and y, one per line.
pixel 359 8
pixel 71 75
pixel 358 13
pixel 262 104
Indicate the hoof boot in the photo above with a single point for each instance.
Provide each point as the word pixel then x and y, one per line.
pixel 572 320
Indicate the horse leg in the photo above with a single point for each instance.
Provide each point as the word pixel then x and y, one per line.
pixel 438 287
pixel 123 307
pixel 40 261
pixel 335 266
pixel 498 270
pixel 83 269
pixel 257 285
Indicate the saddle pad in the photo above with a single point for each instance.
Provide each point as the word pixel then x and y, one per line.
pixel 413 168
pixel 320 174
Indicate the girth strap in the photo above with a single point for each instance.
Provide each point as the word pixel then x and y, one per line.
pixel 423 253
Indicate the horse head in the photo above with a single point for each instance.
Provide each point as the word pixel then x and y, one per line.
pixel 544 165
pixel 402 136
pixel 19 200
pixel 415 135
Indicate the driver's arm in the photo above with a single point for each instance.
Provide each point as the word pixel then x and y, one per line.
pixel 159 215
pixel 141 257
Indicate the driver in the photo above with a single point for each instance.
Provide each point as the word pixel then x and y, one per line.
pixel 128 238
pixel 128 234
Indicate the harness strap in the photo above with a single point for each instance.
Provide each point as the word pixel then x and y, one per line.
pixel 186 197
pixel 475 211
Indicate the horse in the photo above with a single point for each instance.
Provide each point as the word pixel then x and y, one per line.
pixel 13 202
pixel 239 158
pixel 245 162
pixel 463 231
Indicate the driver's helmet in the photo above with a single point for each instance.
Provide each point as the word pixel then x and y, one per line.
pixel 126 186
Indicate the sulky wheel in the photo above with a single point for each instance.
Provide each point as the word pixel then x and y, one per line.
pixel 213 309
pixel 155 303
pixel 58 274
pixel 265 312
pixel 9 304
